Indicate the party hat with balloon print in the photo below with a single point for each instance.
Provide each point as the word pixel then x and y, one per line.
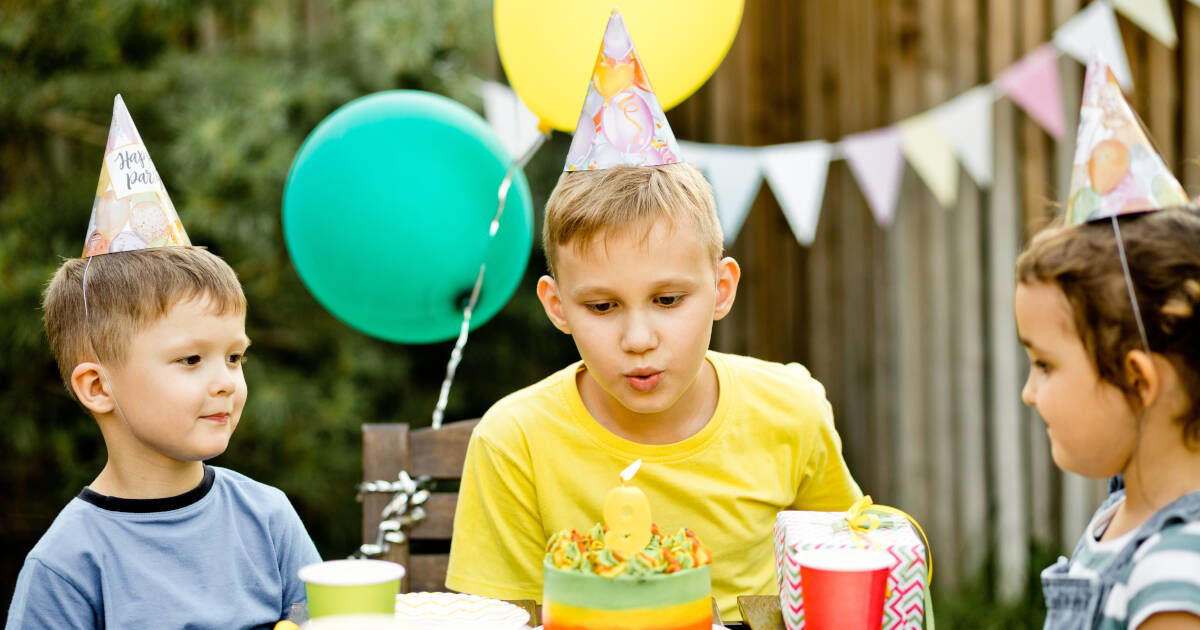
pixel 132 209
pixel 1116 168
pixel 622 122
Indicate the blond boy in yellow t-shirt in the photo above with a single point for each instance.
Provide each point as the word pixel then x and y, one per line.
pixel 637 279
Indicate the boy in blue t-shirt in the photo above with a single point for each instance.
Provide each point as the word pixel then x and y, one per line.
pixel 154 352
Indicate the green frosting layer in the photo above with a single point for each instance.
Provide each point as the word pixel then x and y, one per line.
pixel 588 590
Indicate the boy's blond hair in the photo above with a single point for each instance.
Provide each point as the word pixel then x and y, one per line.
pixel 585 204
pixel 127 291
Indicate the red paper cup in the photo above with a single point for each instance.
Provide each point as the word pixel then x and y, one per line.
pixel 843 588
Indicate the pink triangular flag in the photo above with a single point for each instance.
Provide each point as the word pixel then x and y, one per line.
pixel 878 166
pixel 1033 83
pixel 622 122
pixel 131 209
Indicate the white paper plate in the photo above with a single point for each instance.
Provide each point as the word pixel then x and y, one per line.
pixel 458 609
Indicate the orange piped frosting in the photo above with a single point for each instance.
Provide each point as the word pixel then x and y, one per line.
pixel 587 553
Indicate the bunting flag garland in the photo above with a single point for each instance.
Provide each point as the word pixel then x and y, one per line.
pixel 877 165
pixel 931 156
pixel 1033 83
pixel 736 177
pixel 966 123
pixel 1153 16
pixel 1093 31
pixel 957 131
pixel 796 172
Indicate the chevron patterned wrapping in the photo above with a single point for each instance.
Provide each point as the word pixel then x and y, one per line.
pixel 796 531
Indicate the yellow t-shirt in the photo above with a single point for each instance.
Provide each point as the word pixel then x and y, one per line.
pixel 539 463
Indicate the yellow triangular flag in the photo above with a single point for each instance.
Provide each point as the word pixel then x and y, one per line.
pixel 931 156
pixel 1153 16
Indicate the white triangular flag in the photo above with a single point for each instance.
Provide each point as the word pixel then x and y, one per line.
pixel 796 173
pixel 875 160
pixel 513 122
pixel 735 175
pixel 1094 30
pixel 1154 16
pixel 931 157
pixel 966 123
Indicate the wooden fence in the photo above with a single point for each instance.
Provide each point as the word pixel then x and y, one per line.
pixel 911 328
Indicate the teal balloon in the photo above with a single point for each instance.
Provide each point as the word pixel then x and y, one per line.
pixel 387 210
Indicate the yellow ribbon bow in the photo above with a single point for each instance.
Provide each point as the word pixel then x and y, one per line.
pixel 861 522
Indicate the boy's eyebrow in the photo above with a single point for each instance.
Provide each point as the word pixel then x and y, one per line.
pixel 590 289
pixel 192 341
pixel 1027 343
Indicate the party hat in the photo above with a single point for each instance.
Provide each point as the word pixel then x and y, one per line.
pixel 132 209
pixel 1117 170
pixel 622 121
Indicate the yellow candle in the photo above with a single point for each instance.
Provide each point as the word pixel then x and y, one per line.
pixel 627 515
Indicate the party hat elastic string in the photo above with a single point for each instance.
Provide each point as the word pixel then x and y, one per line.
pixel 1137 312
pixel 87 325
pixel 456 354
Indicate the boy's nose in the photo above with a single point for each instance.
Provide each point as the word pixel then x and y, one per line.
pixel 639 335
pixel 223 382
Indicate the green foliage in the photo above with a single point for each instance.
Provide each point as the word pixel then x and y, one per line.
pixel 224 94
pixel 974 605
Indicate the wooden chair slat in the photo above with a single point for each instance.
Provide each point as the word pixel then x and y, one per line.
pixel 385 454
pixel 390 448
pixel 438 523
pixel 440 453
pixel 428 572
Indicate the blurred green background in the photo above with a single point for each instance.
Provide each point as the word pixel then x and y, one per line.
pixel 223 95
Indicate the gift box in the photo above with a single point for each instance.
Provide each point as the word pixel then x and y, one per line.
pixel 863 527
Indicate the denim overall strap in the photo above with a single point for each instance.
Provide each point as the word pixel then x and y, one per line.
pixel 1077 602
pixel 1181 510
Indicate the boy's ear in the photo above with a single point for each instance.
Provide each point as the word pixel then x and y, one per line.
pixel 91 388
pixel 728 275
pixel 547 292
pixel 1143 375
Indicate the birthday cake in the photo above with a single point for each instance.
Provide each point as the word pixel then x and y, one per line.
pixel 589 586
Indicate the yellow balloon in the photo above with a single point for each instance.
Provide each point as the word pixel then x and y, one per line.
pixel 548 48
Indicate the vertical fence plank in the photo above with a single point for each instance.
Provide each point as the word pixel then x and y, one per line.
pixel 939 450
pixel 971 495
pixel 1011 527
pixel 910 281
pixel 884 282
pixel 1189 43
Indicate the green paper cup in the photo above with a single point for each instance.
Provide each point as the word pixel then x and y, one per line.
pixel 341 587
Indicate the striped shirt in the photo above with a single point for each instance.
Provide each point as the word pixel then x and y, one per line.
pixel 1163 577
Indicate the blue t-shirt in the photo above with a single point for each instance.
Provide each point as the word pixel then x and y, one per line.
pixel 221 556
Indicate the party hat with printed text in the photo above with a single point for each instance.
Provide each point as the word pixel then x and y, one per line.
pixel 132 209
pixel 1116 167
pixel 622 122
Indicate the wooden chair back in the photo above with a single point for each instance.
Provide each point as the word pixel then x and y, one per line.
pixel 390 448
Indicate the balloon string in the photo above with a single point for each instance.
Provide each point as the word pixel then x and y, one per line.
pixel 456 354
pixel 1137 312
